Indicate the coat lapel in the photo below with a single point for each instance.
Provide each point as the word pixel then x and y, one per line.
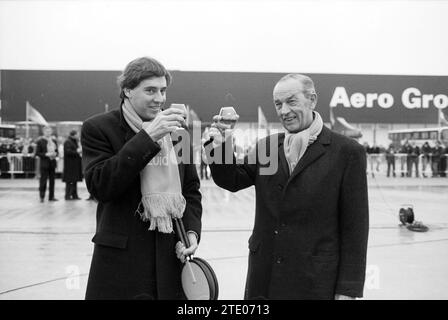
pixel 314 152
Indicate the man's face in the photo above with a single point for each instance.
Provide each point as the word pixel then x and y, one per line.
pixel 294 109
pixel 47 132
pixel 148 97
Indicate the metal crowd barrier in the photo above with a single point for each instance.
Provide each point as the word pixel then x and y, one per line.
pixel 18 163
pixel 377 162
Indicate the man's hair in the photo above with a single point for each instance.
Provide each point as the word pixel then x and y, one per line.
pixel 141 69
pixel 73 133
pixel 307 82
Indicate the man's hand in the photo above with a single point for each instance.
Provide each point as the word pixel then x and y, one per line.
pixel 165 122
pixel 218 131
pixel 182 252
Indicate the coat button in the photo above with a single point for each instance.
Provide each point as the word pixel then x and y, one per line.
pixel 275 232
pixel 279 260
pixel 280 187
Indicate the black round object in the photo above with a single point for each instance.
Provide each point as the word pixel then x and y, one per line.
pixel 406 215
pixel 199 281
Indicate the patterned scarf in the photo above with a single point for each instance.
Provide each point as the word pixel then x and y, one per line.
pixel 295 144
pixel 160 184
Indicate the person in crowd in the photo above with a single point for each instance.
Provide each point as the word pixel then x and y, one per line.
pixel 404 158
pixel 436 156
pixel 47 151
pixel 72 172
pixel 413 152
pixel 311 222
pixel 443 162
pixel 390 158
pixel 426 157
pixel 131 169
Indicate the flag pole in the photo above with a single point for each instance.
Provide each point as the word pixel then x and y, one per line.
pixel 26 122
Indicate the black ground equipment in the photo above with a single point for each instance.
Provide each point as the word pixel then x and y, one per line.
pixel 407 218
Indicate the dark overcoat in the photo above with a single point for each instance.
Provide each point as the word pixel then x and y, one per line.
pixel 72 161
pixel 309 239
pixel 45 162
pixel 129 261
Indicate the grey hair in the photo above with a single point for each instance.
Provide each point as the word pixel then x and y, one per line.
pixel 307 82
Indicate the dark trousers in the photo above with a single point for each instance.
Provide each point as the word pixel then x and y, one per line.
pixel 442 166
pixel 435 166
pixel 71 190
pixel 412 160
pixel 390 164
pixel 47 173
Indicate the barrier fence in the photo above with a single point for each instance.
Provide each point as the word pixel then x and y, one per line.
pixel 404 165
pixel 20 164
pixel 17 163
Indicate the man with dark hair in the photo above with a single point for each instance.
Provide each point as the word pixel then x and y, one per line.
pixel 132 170
pixel 311 222
pixel 72 166
pixel 47 151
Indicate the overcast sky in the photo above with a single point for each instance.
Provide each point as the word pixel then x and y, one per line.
pixel 379 37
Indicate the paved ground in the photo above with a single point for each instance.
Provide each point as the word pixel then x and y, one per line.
pixel 45 249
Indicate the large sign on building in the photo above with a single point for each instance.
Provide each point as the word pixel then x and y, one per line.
pixel 76 95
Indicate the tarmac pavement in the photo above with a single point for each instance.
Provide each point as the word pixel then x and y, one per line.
pixel 46 248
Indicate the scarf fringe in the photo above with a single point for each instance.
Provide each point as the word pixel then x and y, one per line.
pixel 161 208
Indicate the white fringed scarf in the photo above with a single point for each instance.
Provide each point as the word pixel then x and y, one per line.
pixel 295 144
pixel 160 184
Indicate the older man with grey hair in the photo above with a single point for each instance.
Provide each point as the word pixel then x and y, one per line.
pixel 311 222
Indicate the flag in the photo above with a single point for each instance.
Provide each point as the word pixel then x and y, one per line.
pixel 340 125
pixel 442 120
pixel 34 115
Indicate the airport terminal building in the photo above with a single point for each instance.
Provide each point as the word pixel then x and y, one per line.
pixel 374 104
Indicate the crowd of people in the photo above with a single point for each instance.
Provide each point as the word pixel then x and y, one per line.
pixel 408 159
pixel 19 145
pixel 45 156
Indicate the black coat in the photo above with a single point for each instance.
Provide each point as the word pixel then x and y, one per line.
pixel 310 235
pixel 72 161
pixel 129 261
pixel 41 149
